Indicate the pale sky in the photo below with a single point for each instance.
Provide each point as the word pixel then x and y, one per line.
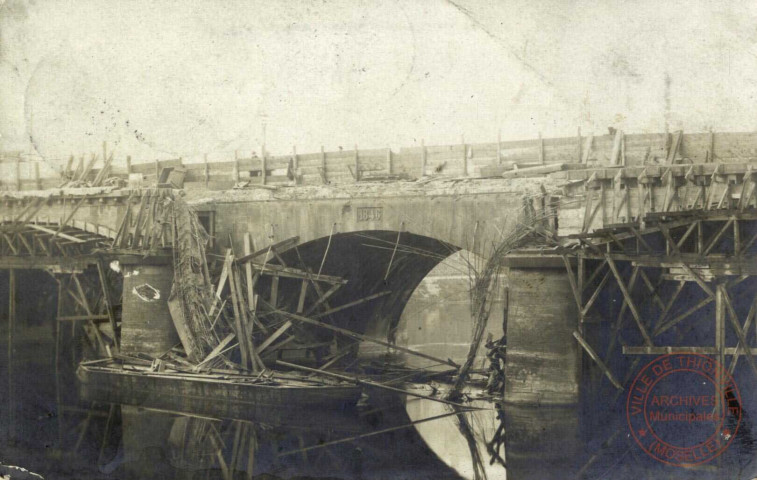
pixel 161 79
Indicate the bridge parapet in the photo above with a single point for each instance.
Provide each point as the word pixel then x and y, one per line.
pixel 347 166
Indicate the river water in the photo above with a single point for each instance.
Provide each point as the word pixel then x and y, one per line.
pixel 53 427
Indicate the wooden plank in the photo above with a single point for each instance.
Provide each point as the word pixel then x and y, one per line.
pixel 303 295
pixel 621 315
pixel 257 364
pixel 595 295
pixel 573 286
pixel 716 237
pixel 274 336
pixel 594 274
pixel 587 149
pixel 272 349
pixel 740 347
pixel 138 222
pixel 697 278
pixel 71 214
pixel 274 291
pixel 77 318
pixel 338 356
pixel 217 350
pixel 720 324
pixel 674 148
pixel 245 354
pixel 221 284
pixel 284 244
pixel 632 350
pixel 88 168
pixel 615 152
pixel 28 246
pixel 322 170
pixel 289 272
pixel 13 248
pixel 364 338
pixel 590 351
pixel 55 233
pixel 669 242
pixel 670 303
pixel 424 154
pixel 674 321
pixel 85 304
pixel 542 158
pixel 733 318
pixel 361 436
pixel 21 217
pixel 248 273
pixel 323 298
pixel 11 328
pixel 629 300
pixel 352 304
pixel 263 165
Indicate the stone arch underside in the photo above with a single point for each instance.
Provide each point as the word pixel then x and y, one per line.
pixel 371 265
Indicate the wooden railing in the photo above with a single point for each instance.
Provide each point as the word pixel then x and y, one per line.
pixel 354 165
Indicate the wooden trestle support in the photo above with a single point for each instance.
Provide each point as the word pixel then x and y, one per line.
pixel 660 259
pixel 677 282
pixel 712 251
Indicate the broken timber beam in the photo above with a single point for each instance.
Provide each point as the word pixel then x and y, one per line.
pixel 284 244
pixel 352 304
pixel 364 338
pixel 289 272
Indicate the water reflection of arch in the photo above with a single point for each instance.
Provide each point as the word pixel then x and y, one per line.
pixel 188 445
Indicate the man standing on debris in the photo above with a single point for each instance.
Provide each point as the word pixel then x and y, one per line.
pixel 496 356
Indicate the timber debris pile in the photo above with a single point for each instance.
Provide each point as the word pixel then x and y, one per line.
pixel 227 327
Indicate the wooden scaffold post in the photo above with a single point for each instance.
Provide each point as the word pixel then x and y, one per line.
pixel 11 326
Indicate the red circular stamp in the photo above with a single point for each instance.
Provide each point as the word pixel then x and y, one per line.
pixel 683 409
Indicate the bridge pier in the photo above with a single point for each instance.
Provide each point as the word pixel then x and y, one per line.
pixel 542 370
pixel 146 324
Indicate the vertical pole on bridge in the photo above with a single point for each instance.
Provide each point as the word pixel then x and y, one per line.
pixel 37 179
pixel 720 314
pixel 324 174
pixel 465 156
pixel 263 166
pixel 18 174
pixel 59 405
pixel 499 147
pixel 295 165
pixel 541 150
pixel 357 164
pixel 11 324
pixel 423 158
pixel 207 169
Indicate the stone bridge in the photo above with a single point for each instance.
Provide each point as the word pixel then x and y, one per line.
pixel 629 245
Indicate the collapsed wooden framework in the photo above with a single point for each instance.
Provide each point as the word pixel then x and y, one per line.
pixel 267 324
pixel 50 239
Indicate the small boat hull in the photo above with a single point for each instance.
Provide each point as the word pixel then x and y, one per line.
pixel 239 392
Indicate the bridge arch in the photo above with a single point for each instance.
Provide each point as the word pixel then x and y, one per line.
pixel 373 262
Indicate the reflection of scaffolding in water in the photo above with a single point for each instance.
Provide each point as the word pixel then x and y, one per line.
pixel 196 443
